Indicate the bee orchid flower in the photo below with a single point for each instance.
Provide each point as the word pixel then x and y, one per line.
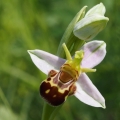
pixel 68 77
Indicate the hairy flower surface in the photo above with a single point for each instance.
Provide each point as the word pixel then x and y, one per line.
pixel 85 91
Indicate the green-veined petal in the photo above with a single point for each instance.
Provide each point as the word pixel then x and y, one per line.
pixel 45 61
pixel 88 93
pixel 94 53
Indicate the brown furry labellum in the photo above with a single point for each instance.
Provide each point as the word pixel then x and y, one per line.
pixel 59 85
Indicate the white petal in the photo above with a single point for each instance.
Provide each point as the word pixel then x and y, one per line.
pixel 95 52
pixel 45 61
pixel 88 93
pixel 99 9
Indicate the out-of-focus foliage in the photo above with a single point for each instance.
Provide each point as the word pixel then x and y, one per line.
pixel 31 24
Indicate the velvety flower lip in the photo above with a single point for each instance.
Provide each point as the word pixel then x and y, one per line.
pixel 94 53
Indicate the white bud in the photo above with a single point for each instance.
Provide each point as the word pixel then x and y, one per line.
pixel 93 22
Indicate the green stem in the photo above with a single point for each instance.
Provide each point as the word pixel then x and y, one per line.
pixel 56 110
pixel 77 45
pixel 69 32
pixel 49 112
pixel 73 45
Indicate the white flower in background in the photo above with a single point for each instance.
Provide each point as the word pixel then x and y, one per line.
pixel 92 23
pixel 73 70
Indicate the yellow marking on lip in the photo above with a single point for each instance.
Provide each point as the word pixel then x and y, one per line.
pixel 47 91
pixel 54 95
pixel 55 85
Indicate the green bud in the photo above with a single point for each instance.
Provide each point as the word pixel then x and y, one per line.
pixel 93 22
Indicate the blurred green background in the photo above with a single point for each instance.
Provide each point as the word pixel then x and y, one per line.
pixel 31 24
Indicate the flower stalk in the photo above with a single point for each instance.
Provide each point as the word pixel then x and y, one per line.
pixel 49 112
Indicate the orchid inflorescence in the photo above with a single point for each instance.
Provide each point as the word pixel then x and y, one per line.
pixel 66 77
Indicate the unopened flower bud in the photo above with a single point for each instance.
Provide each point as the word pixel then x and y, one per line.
pixel 93 22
